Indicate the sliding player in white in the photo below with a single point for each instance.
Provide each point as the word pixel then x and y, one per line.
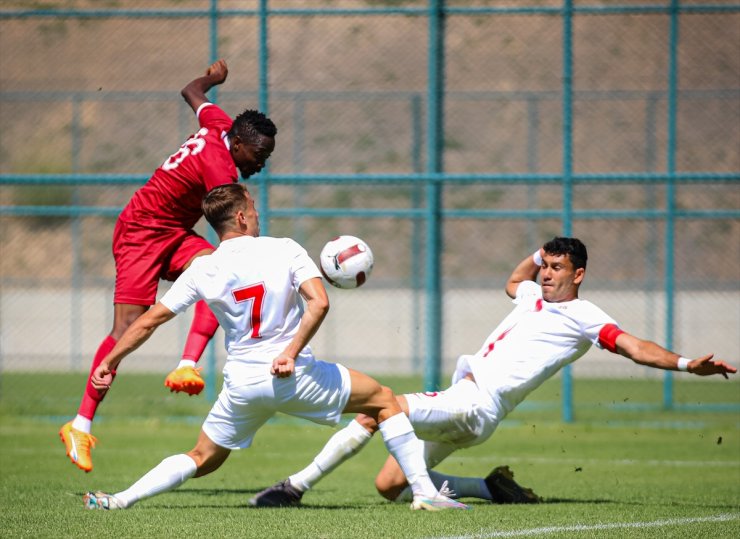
pixel 549 328
pixel 254 286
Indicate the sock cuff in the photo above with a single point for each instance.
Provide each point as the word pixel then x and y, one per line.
pixel 395 426
pixel 182 463
pixel 186 363
pixel 358 430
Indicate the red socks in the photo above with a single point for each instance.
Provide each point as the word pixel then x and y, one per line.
pixel 92 398
pixel 201 330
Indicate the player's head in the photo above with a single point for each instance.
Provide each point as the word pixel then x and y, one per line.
pixel 563 269
pixel 252 140
pixel 229 209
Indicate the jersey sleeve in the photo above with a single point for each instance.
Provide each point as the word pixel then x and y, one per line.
pixel 183 292
pixel 596 324
pixel 212 116
pixel 527 290
pixel 302 267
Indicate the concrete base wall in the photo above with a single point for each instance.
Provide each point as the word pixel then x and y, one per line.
pixel 376 331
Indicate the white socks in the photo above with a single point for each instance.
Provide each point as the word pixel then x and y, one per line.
pixel 408 450
pixel 167 475
pixel 340 447
pixel 82 423
pixel 186 363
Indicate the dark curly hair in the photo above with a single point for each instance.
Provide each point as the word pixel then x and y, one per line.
pixel 250 124
pixel 573 247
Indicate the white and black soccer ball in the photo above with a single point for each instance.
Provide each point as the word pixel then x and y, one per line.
pixel 346 262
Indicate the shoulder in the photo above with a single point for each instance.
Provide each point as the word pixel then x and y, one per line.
pixel 590 312
pixel 211 115
pixel 527 290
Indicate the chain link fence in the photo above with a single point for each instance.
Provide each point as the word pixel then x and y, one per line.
pixel 454 137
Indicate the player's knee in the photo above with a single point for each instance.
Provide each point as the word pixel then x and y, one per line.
pixel 124 318
pixel 388 404
pixel 204 463
pixel 388 487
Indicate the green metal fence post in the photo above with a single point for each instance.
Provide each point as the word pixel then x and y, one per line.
pixel 263 106
pixel 567 377
pixel 435 147
pixel 670 219
pixel 210 233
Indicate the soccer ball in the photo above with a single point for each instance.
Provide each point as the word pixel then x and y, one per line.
pixel 346 262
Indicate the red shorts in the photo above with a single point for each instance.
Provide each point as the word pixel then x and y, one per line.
pixel 146 254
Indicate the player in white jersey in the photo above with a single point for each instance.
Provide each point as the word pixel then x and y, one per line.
pixel 549 328
pixel 254 286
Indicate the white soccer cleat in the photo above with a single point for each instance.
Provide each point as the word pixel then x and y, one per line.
pixel 440 502
pixel 101 500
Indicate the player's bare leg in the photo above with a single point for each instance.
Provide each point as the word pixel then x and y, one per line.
pixel 186 376
pixel 76 434
pixel 379 410
pixel 169 474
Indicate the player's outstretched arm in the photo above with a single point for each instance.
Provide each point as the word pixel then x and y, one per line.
pixel 653 355
pixel 195 92
pixel 136 334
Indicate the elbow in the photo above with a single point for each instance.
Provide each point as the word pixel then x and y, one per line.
pixel 324 307
pixel 510 289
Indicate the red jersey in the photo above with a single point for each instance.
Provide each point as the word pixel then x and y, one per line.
pixel 172 196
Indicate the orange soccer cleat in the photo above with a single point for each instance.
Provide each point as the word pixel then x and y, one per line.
pixel 78 445
pixel 187 379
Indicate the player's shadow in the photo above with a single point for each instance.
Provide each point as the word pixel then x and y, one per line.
pixel 211 492
pixel 546 501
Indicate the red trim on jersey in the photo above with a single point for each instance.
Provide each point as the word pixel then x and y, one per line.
pixel 493 344
pixel 608 337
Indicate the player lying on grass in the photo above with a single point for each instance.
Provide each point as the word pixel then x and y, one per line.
pixel 254 287
pixel 549 328
pixel 154 237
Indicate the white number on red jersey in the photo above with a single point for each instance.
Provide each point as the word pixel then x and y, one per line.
pixel 193 146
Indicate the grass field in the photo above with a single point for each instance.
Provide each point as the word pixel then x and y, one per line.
pixel 624 469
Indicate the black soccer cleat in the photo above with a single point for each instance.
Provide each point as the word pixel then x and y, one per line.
pixel 283 494
pixel 504 489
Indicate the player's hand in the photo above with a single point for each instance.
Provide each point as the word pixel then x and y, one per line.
pixel 102 377
pixel 282 366
pixel 217 71
pixel 706 366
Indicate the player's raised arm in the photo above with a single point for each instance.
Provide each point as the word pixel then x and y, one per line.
pixel 653 355
pixel 195 92
pixel 134 336
pixel 526 270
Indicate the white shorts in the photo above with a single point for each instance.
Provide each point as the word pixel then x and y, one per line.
pixel 317 391
pixel 460 416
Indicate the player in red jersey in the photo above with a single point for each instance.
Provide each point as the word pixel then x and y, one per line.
pixel 154 237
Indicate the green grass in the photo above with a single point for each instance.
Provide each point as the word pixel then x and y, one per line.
pixel 624 469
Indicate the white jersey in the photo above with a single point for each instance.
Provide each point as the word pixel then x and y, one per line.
pixel 251 285
pixel 532 343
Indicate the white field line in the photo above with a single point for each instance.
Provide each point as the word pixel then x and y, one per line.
pixel 580 461
pixel 595 527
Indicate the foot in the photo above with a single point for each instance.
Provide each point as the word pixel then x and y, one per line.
pixel 187 379
pixel 282 494
pixel 440 502
pixel 101 500
pixel 504 489
pixel 78 445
